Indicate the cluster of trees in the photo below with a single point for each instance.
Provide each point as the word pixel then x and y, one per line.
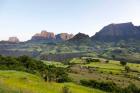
pixel 110 86
pixel 30 65
pixel 89 60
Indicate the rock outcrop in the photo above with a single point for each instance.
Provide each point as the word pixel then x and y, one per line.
pixel 13 40
pixel 64 36
pixel 44 35
pixel 50 36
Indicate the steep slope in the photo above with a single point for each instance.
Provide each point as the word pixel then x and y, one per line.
pixel 44 35
pixel 63 36
pixel 50 37
pixel 80 39
pixel 117 32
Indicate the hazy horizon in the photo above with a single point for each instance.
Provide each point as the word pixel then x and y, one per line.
pixel 24 18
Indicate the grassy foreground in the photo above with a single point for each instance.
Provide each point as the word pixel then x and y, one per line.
pixel 21 82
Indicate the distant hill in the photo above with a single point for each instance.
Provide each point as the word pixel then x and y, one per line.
pixel 113 39
pixel 117 32
pixel 79 39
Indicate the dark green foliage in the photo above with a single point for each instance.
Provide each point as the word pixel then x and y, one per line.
pixel 110 86
pixel 123 63
pixel 30 65
pixel 127 69
pixel 57 74
pixel 89 60
pixel 113 56
pixel 107 61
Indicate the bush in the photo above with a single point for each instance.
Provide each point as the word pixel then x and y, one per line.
pixel 127 69
pixel 107 61
pixel 123 63
pixel 89 60
pixel 65 89
pixel 110 86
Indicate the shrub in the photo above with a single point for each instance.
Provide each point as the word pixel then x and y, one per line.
pixel 65 89
pixel 110 86
pixel 123 63
pixel 127 69
pixel 107 61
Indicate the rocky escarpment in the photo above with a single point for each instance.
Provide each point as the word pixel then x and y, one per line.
pixel 64 36
pixel 50 36
pixel 117 32
pixel 44 35
pixel 13 40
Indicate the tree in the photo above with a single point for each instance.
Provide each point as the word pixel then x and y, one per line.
pixel 113 56
pixel 127 69
pixel 107 61
pixel 123 63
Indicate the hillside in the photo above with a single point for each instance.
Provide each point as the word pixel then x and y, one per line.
pixel 121 40
pixel 21 82
pixel 117 32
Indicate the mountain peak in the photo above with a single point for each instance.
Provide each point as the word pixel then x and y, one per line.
pixel 80 36
pixel 115 32
pixel 79 39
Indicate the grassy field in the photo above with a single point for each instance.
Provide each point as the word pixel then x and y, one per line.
pixel 21 82
pixel 101 71
pixel 113 66
pixel 57 64
pixel 77 61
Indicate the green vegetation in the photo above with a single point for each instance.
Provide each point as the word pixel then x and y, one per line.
pixel 106 71
pixel 21 82
pixel 77 61
pixel 59 77
pixel 27 64
pixel 112 66
pixel 123 63
pixel 56 64
pixel 110 86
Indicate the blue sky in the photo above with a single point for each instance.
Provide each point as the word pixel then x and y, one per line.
pixel 24 18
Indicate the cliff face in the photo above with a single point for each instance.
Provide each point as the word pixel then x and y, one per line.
pixel 64 36
pixel 13 40
pixel 116 32
pixel 49 36
pixel 44 35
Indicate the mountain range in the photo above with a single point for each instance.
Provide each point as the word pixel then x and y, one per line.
pixel 121 40
pixel 109 33
pixel 49 36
